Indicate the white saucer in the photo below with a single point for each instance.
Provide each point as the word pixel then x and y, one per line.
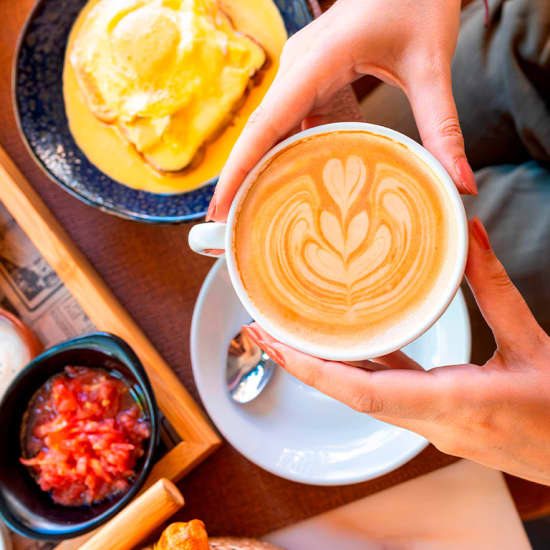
pixel 292 430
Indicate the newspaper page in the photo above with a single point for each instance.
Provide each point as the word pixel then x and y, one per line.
pixel 31 289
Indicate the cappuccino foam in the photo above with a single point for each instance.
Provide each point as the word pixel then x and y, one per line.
pixel 342 238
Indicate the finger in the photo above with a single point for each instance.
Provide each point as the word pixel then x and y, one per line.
pixel 317 118
pixel 285 105
pixel 395 360
pixel 391 393
pixel 398 360
pixel 258 334
pixel 342 106
pixel 434 109
pixel 500 302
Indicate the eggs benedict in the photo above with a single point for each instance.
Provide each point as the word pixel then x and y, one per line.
pixel 168 73
pixel 175 133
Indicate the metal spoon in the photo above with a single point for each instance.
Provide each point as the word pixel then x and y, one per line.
pixel 249 369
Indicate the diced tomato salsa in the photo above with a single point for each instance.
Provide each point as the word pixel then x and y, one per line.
pixel 85 433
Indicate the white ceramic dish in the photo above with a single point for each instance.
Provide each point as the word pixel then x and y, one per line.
pixel 292 430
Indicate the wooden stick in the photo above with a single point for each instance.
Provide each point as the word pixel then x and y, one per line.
pixel 138 519
pixel 98 301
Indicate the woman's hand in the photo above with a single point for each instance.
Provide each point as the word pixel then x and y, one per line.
pixel 497 414
pixel 406 43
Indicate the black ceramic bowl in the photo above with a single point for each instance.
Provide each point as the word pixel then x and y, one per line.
pixel 23 505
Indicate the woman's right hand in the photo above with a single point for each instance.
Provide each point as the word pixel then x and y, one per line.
pixel 497 414
pixel 406 43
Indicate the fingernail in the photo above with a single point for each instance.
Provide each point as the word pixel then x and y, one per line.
pixel 253 334
pixel 465 175
pixel 480 234
pixel 275 354
pixel 211 209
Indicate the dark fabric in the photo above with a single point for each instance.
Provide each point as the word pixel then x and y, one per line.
pixel 501 82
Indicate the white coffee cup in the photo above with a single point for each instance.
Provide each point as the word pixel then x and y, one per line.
pixel 214 239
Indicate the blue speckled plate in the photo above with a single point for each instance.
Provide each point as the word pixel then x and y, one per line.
pixel 39 105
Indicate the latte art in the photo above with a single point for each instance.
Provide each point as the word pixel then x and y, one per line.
pixel 338 239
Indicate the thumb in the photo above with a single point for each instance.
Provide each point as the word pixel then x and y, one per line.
pixel 500 302
pixel 341 106
pixel 435 113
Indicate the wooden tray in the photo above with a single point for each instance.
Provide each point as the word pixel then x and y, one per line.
pixel 104 310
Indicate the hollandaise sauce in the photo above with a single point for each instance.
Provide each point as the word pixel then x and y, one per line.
pixel 157 93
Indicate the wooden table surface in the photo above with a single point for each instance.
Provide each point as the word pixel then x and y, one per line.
pixel 157 278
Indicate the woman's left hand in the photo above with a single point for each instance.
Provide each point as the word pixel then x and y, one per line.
pixel 497 414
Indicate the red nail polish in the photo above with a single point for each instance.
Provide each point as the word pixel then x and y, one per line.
pixel 253 334
pixel 275 354
pixel 480 234
pixel 465 175
pixel 211 212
